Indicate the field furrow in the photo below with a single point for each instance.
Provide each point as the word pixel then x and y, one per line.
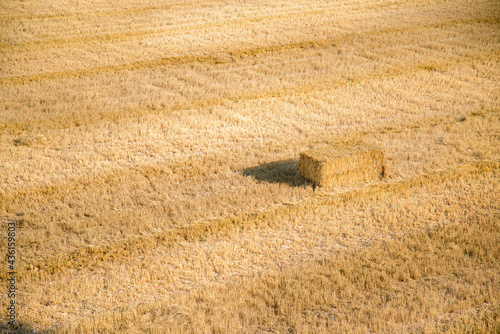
pixel 200 230
pixel 174 23
pixel 223 250
pixel 378 285
pixel 165 139
pixel 176 17
pixel 33 10
pixel 145 199
pixel 158 93
pixel 239 44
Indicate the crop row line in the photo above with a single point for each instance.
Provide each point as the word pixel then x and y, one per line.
pixel 16 127
pixel 367 5
pixel 8 19
pixel 198 231
pixel 223 57
pixel 134 34
pixel 168 31
pixel 200 163
pixel 404 267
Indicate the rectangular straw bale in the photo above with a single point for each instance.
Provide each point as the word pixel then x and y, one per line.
pixel 342 164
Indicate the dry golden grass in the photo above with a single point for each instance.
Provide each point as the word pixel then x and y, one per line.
pixel 327 293
pixel 415 284
pixel 220 250
pixel 148 154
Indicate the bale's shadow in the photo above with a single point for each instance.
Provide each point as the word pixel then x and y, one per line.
pixel 285 171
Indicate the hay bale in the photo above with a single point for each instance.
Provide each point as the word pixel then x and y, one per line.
pixel 342 165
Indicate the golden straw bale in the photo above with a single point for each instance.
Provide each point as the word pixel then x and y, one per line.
pixel 342 164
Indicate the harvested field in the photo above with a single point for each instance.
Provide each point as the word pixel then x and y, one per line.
pixel 150 161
